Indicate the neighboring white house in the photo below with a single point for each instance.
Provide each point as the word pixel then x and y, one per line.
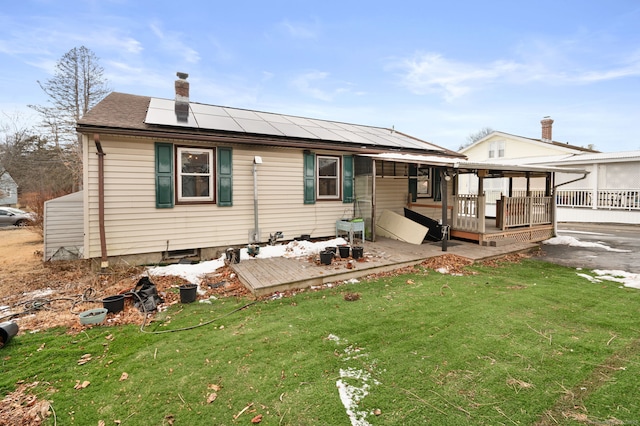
pixel 8 190
pixel 504 148
pixel 610 193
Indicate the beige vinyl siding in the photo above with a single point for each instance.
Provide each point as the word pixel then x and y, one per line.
pixel 63 227
pixel 134 225
pixel 391 194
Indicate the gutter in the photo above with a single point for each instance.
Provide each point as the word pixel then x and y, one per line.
pixel 104 259
pixel 555 208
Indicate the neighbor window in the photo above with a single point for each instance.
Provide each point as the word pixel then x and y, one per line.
pixel 195 174
pixel 328 177
pixel 496 149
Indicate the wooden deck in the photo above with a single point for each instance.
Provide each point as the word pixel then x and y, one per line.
pixel 266 276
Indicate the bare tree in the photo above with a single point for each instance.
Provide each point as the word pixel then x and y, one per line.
pixel 77 85
pixel 475 137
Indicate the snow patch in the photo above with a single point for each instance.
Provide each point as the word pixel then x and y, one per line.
pixel 574 242
pixel 627 279
pixel 354 383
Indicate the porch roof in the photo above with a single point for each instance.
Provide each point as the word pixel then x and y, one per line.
pixel 492 169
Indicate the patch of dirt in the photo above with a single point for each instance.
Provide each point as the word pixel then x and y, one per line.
pixel 42 295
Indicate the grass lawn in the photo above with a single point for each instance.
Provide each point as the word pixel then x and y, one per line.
pixel 521 344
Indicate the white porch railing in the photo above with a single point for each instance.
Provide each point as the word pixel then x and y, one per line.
pixel 468 213
pixel 525 211
pixel 608 199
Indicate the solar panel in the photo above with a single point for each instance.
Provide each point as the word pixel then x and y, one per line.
pixel 213 117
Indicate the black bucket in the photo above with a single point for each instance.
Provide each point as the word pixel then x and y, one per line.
pixel 233 255
pixel 332 249
pixel 357 252
pixel 344 251
pixel 113 303
pixel 7 331
pixel 326 257
pixel 188 293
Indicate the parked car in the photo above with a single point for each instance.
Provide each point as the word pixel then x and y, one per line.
pixel 16 217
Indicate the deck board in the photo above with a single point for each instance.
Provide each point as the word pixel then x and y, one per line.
pixel 264 276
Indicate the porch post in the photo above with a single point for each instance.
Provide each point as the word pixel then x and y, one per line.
pixel 445 196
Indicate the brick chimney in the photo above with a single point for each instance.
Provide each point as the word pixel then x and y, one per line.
pixel 182 97
pixel 547 124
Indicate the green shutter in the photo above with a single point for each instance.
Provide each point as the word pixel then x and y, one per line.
pixel 347 179
pixel 164 175
pixel 309 178
pixel 413 182
pixel 225 177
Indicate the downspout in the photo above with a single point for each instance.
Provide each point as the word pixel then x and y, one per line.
pixel 104 260
pixel 553 200
pixel 255 235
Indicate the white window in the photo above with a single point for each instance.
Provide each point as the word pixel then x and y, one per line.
pixel 328 178
pixel 496 149
pixel 195 174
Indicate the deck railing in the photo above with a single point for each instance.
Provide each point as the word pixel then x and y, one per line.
pixel 609 199
pixel 525 211
pixel 469 212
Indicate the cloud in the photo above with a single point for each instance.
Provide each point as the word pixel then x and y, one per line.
pixel 432 73
pixel 308 84
pixel 299 30
pixel 171 42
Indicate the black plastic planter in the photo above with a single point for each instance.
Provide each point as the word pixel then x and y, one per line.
pixel 233 255
pixel 113 303
pixel 188 293
pixel 7 331
pixel 344 251
pixel 357 252
pixel 326 257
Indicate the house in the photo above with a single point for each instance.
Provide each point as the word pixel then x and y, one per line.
pixel 504 148
pixel 8 189
pixel 166 179
pixel 609 193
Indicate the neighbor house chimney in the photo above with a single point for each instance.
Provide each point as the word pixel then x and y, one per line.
pixel 182 97
pixel 547 124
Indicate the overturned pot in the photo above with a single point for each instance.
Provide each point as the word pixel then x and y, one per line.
pixel 326 257
pixel 113 303
pixel 7 331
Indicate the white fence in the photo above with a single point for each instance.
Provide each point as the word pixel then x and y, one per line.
pixel 608 199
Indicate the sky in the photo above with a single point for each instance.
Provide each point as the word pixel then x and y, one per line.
pixel 439 71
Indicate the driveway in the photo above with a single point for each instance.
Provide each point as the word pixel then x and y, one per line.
pixel 619 247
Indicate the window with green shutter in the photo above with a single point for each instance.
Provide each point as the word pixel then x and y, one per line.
pixel 193 175
pixel 164 175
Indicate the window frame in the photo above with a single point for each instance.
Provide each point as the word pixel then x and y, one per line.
pixel 421 178
pixel 211 174
pixel 337 178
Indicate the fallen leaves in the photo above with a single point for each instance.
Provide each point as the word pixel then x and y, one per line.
pixel 84 359
pixel 21 408
pixel 123 377
pixel 82 385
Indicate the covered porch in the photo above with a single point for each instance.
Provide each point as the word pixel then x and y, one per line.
pixel 525 212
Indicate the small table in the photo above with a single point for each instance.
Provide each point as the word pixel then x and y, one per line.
pixel 351 228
